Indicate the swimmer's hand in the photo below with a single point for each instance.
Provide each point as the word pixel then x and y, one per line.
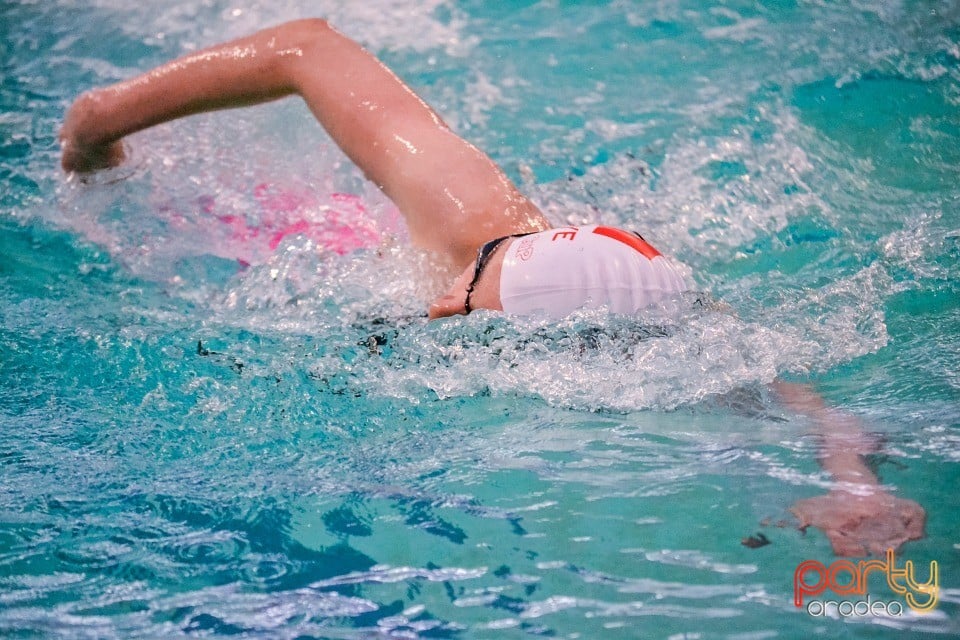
pixel 81 147
pixel 858 515
pixel 857 525
pixel 84 159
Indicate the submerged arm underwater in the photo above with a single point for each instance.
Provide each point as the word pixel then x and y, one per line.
pixel 859 515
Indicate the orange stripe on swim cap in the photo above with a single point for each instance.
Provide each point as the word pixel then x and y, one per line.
pixel 629 239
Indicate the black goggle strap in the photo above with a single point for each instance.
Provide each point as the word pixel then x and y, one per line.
pixel 483 257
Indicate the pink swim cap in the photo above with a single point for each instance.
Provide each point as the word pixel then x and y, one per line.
pixel 561 270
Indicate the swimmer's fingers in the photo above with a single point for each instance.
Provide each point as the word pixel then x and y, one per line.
pixel 83 147
pixel 86 159
pixel 916 520
pixel 845 545
pixel 912 518
pixel 891 523
pixel 858 525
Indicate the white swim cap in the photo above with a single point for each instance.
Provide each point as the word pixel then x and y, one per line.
pixel 561 270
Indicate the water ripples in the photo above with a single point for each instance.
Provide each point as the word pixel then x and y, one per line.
pixel 205 438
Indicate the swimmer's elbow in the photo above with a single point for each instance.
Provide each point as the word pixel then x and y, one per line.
pixel 306 30
pixel 299 38
pixel 298 47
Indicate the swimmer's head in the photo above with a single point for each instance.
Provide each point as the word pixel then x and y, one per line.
pixel 558 271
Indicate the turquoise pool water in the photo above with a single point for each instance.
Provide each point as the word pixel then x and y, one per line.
pixel 193 448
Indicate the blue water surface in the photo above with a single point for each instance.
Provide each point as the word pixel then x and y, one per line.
pixel 203 438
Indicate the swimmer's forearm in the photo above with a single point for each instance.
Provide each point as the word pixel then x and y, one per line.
pixel 843 441
pixel 842 452
pixel 371 114
pixel 352 94
pixel 238 73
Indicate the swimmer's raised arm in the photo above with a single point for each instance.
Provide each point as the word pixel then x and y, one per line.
pixel 453 196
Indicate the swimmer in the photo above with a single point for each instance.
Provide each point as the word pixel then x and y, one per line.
pixel 456 202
